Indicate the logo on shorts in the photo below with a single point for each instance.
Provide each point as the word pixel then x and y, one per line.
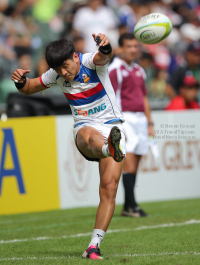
pixel 90 111
pixel 86 78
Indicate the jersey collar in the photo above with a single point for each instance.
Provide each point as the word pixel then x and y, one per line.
pixel 128 66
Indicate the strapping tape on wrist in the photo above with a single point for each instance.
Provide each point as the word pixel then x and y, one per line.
pixel 106 49
pixel 21 85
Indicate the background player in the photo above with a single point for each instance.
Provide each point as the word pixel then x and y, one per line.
pixel 128 80
pixel 85 82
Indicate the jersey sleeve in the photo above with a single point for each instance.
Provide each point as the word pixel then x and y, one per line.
pixel 143 87
pixel 88 60
pixel 49 78
pixel 113 79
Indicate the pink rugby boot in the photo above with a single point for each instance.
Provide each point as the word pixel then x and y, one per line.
pixel 93 252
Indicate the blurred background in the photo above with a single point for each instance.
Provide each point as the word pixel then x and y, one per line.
pixel 27 26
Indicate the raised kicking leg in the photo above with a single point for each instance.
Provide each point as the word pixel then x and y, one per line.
pixel 94 145
pixel 90 142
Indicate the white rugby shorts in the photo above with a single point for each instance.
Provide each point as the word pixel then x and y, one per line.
pixel 136 132
pixel 104 129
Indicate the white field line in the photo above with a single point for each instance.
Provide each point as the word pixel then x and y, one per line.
pixel 125 255
pixel 190 222
pixel 22 220
pixel 156 254
pixel 3 231
pixel 169 225
pixel 30 219
pixel 35 258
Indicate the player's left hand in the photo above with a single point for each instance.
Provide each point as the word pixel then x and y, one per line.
pixel 150 130
pixel 104 40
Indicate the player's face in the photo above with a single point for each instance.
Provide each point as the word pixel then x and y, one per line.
pixel 69 69
pixel 130 49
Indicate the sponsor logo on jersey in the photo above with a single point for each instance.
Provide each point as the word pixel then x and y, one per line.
pixel 90 111
pixel 86 78
pixel 125 73
pixel 137 73
pixel 67 84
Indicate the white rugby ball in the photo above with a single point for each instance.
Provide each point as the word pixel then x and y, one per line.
pixel 153 28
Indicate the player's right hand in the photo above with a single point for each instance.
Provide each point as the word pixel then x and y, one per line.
pixel 17 75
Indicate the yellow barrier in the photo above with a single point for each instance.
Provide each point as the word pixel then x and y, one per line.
pixel 28 165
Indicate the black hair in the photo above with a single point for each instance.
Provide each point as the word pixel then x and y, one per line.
pixel 59 51
pixel 125 36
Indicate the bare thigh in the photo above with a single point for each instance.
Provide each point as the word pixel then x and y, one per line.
pixel 90 141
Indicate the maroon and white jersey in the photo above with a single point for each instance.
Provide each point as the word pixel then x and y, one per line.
pixel 128 82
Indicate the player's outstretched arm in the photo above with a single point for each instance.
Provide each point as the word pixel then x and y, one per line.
pixel 105 50
pixel 25 85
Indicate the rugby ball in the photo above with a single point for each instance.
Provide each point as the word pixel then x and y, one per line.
pixel 152 28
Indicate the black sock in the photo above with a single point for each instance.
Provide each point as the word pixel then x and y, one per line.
pixel 129 184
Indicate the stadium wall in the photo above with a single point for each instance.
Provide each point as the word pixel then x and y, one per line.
pixel 41 169
pixel 174 175
pixel 28 165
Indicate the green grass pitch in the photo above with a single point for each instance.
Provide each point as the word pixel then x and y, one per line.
pixel 170 236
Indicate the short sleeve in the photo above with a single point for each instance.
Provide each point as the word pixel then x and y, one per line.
pixel 88 60
pixel 113 79
pixel 49 78
pixel 143 87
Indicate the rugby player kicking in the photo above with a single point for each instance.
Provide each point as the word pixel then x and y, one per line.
pixel 98 131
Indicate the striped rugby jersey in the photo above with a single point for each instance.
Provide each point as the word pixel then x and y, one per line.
pixel 90 94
